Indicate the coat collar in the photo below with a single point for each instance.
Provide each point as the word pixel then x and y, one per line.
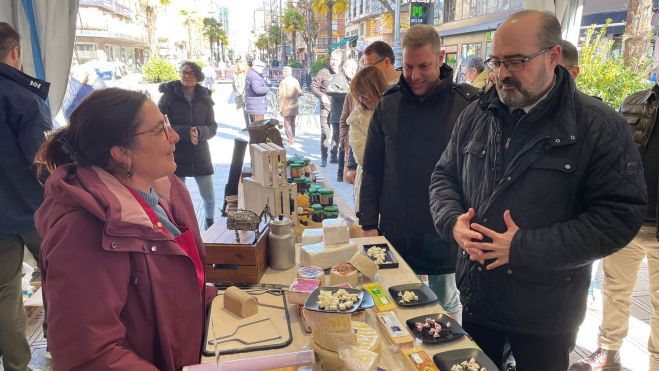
pixel 558 109
pixel 175 87
pixel 37 86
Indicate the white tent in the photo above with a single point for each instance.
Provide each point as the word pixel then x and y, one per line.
pixel 47 29
pixel 568 13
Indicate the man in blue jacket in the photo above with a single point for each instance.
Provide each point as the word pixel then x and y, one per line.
pixel 24 120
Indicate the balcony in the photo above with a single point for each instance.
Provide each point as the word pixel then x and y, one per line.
pixel 109 5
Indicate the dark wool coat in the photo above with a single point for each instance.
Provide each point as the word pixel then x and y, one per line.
pixel 406 137
pixel 190 160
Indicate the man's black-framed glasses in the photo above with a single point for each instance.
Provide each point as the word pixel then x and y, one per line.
pixel 364 64
pixel 514 65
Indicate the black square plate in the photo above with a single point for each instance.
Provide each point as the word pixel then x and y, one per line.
pixel 448 333
pixel 312 300
pixel 446 360
pixel 425 294
pixel 389 259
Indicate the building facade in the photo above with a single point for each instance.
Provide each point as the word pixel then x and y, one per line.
pixel 110 29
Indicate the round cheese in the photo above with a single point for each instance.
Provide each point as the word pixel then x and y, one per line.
pixel 344 273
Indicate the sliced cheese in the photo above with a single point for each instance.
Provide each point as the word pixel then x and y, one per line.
pixel 394 330
pixel 312 235
pixel 325 256
pixel 332 322
pixel 367 336
pixel 335 231
pixel 344 273
pixel 360 359
pixel 328 359
pixel 364 264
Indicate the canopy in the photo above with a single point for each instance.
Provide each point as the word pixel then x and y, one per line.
pixel 343 42
pixel 568 13
pixel 47 29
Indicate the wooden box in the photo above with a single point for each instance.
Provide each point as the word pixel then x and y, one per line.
pixel 282 199
pixel 231 261
pixel 268 164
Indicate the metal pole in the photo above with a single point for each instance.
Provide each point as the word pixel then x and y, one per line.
pixel 398 55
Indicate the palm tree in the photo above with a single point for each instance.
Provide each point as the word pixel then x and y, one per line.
pixel 212 31
pixel 189 20
pixel 274 34
pixel 150 8
pixel 329 7
pixel 222 40
pixel 262 43
pixel 292 21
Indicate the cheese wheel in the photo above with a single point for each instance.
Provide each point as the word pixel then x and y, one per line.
pixel 300 290
pixel 314 273
pixel 367 336
pixel 328 359
pixel 344 273
pixel 324 256
pixel 331 340
pixel 331 322
pixel 239 302
pixel 365 265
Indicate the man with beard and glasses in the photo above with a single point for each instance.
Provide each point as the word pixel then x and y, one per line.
pixel 538 181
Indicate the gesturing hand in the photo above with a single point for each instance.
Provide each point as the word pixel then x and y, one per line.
pixel 194 135
pixel 498 249
pixel 462 232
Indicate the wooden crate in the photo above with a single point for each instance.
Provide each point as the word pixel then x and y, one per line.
pixel 279 198
pixel 231 261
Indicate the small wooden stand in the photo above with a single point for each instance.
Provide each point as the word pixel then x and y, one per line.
pixel 231 261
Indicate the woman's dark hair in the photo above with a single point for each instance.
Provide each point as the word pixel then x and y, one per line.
pixel 195 69
pixel 106 118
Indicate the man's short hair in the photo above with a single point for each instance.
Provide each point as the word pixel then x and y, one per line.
pixel 570 54
pixel 381 49
pixel 421 35
pixel 9 39
pixel 474 61
pixel 549 33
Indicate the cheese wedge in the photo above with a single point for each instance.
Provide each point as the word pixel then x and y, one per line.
pixel 325 256
pixel 364 264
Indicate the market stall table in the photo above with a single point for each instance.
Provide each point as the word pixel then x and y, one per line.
pixel 389 355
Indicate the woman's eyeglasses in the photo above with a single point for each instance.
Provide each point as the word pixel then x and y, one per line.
pixel 187 74
pixel 163 128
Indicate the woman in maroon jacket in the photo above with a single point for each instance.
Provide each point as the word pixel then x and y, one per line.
pixel 122 256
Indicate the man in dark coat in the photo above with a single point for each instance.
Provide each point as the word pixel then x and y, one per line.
pixel 621 269
pixel 328 140
pixel 537 181
pixel 337 90
pixel 408 132
pixel 24 120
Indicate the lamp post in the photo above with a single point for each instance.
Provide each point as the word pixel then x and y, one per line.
pixel 398 55
pixel 281 36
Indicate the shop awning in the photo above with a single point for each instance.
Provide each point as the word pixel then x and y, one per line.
pixel 344 41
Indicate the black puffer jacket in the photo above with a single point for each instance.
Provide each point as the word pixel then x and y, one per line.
pixel 575 189
pixel 191 160
pixel 406 137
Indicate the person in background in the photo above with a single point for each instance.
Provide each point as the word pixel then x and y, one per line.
pixel 475 72
pixel 380 55
pixel 365 88
pixel 190 110
pixel 24 120
pixel 256 91
pixel 123 259
pixel 337 91
pixel 209 75
pixel 569 58
pixel 537 181
pixel 239 90
pixel 289 92
pixel 328 140
pixel 621 269
pixel 410 128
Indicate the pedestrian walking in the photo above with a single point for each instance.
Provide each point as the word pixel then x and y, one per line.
pixel 289 93
pixel 256 92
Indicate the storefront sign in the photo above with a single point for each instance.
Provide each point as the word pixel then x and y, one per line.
pixel 419 13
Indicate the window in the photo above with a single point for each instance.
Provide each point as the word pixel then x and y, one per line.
pixel 492 6
pixel 438 12
pixel 458 9
pixel 467 50
pixel 488 49
pixel 335 25
pixel 449 11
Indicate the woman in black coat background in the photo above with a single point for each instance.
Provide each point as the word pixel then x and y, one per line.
pixel 189 107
